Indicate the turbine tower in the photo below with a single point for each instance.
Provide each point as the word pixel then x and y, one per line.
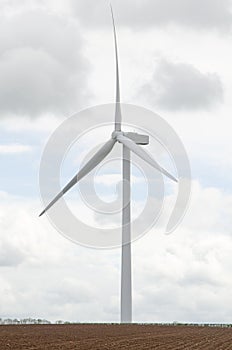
pixel 130 143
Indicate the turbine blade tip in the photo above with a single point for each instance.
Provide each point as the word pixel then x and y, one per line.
pixel 42 213
pixel 173 178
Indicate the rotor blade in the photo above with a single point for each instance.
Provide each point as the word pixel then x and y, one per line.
pixel 118 116
pixel 90 165
pixel 143 154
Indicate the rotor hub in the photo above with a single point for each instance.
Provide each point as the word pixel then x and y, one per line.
pixel 115 134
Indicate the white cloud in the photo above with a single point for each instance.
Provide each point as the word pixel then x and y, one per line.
pixel 14 149
pixel 184 276
pixel 10 255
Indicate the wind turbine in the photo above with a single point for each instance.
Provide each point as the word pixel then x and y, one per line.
pixel 130 142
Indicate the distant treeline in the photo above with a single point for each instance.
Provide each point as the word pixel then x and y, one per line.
pixel 29 320
pixel 191 324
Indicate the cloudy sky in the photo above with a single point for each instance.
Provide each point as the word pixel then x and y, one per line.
pixel 57 58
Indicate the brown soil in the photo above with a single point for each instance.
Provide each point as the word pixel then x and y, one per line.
pixel 103 336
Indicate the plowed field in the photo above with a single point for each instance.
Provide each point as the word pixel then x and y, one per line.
pixel 102 337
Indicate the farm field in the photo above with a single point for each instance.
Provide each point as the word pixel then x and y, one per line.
pixel 103 336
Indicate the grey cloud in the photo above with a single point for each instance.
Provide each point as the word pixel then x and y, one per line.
pixel 42 68
pixel 72 292
pixel 176 86
pixel 145 13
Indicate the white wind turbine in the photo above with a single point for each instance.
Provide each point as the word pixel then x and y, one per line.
pixel 130 142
